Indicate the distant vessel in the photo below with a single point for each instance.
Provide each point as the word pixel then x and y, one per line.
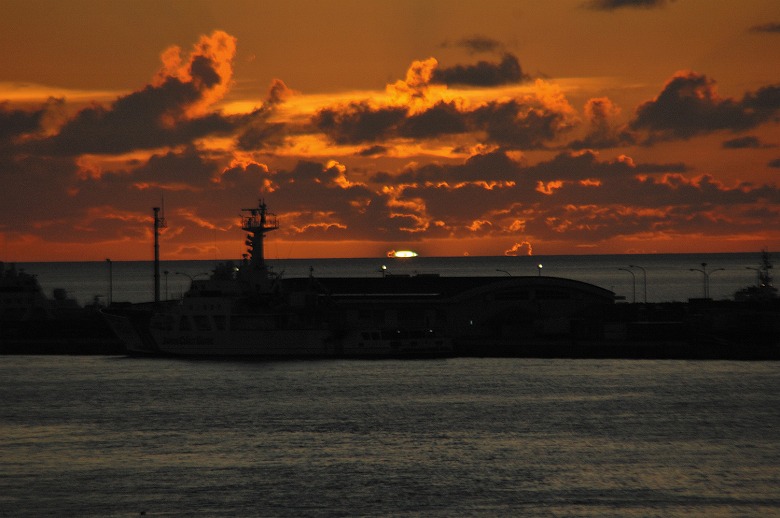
pixel 248 311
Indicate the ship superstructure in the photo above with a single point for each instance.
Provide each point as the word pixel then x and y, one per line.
pixel 258 222
pixel 247 310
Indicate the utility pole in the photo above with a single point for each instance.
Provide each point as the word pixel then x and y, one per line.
pixel 159 222
pixel 110 282
pixel 644 276
pixel 633 283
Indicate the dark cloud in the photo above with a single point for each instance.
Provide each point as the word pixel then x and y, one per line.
pixel 136 121
pixel 519 125
pixel 689 105
pixel 483 73
pixel 257 131
pixel 25 181
pixel 516 123
pixel 373 151
pixel 494 194
pixel 320 201
pixel 612 5
pixel 279 92
pixel 747 142
pixel 167 113
pixel 441 119
pixel 15 122
pixel 477 44
pixel 772 27
pixel 186 168
pixel 261 134
pixel 763 104
pixel 602 133
pixel 675 167
pixel 575 196
pixel 488 167
pixel 358 122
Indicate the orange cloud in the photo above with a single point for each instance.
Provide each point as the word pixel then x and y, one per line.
pixel 209 66
pixel 518 247
pixel 549 187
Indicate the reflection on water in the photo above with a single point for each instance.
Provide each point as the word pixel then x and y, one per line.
pixel 90 436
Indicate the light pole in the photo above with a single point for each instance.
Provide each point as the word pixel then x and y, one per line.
pixel 166 272
pixel 703 270
pixel 644 277
pixel 190 277
pixel 539 267
pixel 633 283
pixel 110 281
pixel 706 277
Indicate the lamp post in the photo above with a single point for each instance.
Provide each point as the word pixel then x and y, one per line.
pixel 703 270
pixel 706 277
pixel 633 283
pixel 539 267
pixel 110 281
pixel 644 278
pixel 191 277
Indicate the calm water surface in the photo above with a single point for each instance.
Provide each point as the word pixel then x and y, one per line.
pixel 111 436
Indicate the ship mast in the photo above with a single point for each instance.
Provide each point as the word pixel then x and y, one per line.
pixel 159 222
pixel 257 222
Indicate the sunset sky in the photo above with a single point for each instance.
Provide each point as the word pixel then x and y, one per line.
pixel 484 127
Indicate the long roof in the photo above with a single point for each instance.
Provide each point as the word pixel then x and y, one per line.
pixel 434 286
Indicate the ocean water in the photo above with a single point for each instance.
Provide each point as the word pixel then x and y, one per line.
pixel 113 436
pixel 666 277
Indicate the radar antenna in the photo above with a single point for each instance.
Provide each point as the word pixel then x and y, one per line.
pixel 257 222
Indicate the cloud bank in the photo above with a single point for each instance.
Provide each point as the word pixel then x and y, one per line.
pixel 463 152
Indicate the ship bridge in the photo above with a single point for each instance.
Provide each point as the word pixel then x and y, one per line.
pixel 258 221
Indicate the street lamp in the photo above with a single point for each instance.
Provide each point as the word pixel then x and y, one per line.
pixel 539 266
pixel 706 277
pixel 191 277
pixel 633 282
pixel 644 275
pixel 110 281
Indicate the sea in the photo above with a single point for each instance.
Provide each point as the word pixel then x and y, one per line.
pixel 103 436
pixel 115 436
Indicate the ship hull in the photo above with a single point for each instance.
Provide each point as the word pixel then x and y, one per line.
pixel 270 343
pixel 136 329
pixel 395 344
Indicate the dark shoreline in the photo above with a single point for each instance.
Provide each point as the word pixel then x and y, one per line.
pixel 694 330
